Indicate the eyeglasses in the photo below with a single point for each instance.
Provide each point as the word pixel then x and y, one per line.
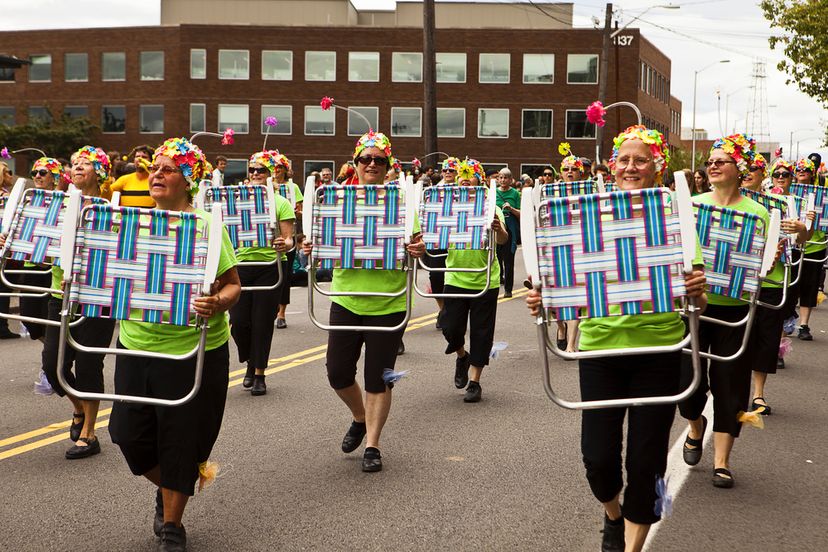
pixel 368 159
pixel 637 162
pixel 781 175
pixel 41 172
pixel 803 170
pixel 755 168
pixel 165 170
pixel 568 169
pixel 718 163
pixel 258 170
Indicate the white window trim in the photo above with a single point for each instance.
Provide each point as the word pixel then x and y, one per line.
pixel 320 52
pixel 103 79
pixel 523 68
pixel 276 132
pixel 65 65
pixel 364 80
pixel 51 66
pixel 420 135
pixel 139 119
pixel 193 50
pixel 466 72
pixel 305 173
pixel 524 137
pixel 480 67
pixel 163 65
pixel 597 76
pixel 291 65
pixel 360 107
pixel 218 113
pixel 566 136
pixel 508 120
pixel 218 68
pixel 464 122
pixel 125 117
pixel 305 123
pixel 407 81
pixel 190 115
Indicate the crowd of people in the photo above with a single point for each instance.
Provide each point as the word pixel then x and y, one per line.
pixel 170 446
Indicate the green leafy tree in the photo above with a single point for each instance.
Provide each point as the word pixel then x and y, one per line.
pixel 58 138
pixel 680 159
pixel 804 40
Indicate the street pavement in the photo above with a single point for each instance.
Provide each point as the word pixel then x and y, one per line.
pixel 502 474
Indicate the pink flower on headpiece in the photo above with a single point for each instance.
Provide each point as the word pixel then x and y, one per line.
pixel 271 121
pixel 778 152
pixel 326 103
pixel 4 153
pixel 227 138
pixel 595 113
pixel 416 162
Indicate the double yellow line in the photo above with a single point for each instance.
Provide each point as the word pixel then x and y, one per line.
pixel 56 432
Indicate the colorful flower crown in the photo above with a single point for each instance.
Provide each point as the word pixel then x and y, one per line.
pixel 652 138
pixel 573 161
pixel 187 156
pixel 471 168
pixel 379 140
pixel 50 164
pixel 270 159
pixel 99 160
pixel 450 163
pixel 760 162
pixel 741 148
pixel 805 165
pixel 782 164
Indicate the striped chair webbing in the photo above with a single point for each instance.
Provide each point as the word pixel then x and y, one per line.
pixel 766 200
pixel 3 201
pixel 359 227
pixel 732 244
pixel 454 216
pixel 246 213
pixel 610 256
pixel 135 264
pixel 286 191
pixel 568 189
pixel 610 186
pixel 820 202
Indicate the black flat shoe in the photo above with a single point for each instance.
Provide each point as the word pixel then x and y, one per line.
pixel 173 538
pixel 461 371
pixel 92 448
pixel 613 535
pixel 401 349
pixel 763 407
pixel 281 323
pixel 259 386
pixel 75 428
pixel 354 436
pixel 158 520
pixel 247 382
pixel 372 460
pixel 722 478
pixel 473 392
pixel 780 363
pixel 692 456
pixel 8 334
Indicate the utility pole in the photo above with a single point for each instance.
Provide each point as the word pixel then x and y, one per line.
pixel 429 80
pixel 602 80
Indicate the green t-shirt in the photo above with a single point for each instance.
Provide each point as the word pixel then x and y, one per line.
pixel 284 211
pixel 748 206
pixel 176 340
pixel 818 236
pixel 473 258
pixel 510 196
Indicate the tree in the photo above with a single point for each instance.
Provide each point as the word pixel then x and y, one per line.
pixel 58 138
pixel 804 24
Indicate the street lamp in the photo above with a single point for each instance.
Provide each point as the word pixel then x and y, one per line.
pixel 790 145
pixel 630 22
pixel 693 128
pixel 727 103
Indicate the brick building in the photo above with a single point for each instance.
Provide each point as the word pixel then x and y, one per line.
pixel 506 95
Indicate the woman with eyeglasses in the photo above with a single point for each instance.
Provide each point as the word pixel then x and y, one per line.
pixel 728 165
pixel 639 160
pixel 572 169
pixel 782 174
pixel 372 157
pixel 436 258
pixel 811 271
pixel 701 185
pixel 251 319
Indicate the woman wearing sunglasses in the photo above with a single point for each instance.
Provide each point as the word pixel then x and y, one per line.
pixel 814 249
pixel 572 169
pixel 728 165
pixel 372 157
pixel 436 258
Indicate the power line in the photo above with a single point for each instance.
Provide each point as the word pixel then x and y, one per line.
pixel 700 41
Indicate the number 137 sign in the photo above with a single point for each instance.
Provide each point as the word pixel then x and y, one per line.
pixel 623 40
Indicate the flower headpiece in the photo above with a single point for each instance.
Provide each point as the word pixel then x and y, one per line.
pixel 379 140
pixel 595 113
pixel 805 165
pixel 652 138
pixel 782 164
pixel 270 159
pixel 471 168
pixel 571 160
pixel 187 156
pixel 741 148
pixel 564 149
pixel 208 171
pixel 450 163
pixel 98 158
pixel 50 164
pixel 760 162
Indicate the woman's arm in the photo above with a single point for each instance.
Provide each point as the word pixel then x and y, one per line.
pixel 695 282
pixel 225 293
pixel 284 241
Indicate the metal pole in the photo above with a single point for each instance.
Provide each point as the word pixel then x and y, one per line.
pixel 693 126
pixel 429 79
pixel 602 79
pixel 790 146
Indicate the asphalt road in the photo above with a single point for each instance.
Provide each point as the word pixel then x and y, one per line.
pixel 502 474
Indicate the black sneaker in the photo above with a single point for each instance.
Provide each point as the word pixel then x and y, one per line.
pixel 473 392
pixel 8 334
pixel 805 333
pixel 461 371
pixel 259 386
pixel 247 382
pixel 354 436
pixel 613 539
pixel 158 521
pixel 372 460
pixel 401 349
pixel 173 538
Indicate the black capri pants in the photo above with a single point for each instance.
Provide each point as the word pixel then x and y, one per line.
pixel 792 299
pixel 178 438
pixel 35 307
pixel 809 282
pixel 344 348
pixel 251 319
pixel 728 382
pixel 436 279
pixel 287 268
pixel 766 333
pixel 648 428
pixel 481 311
pixel 88 375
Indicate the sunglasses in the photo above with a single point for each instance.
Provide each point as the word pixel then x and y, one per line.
pixel 548 174
pixel 803 170
pixel 754 169
pixel 368 159
pixel 449 171
pixel 569 169
pixel 258 170
pixel 781 175
pixel 718 163
pixel 41 172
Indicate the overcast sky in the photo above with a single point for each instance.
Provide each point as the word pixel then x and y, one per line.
pixel 713 29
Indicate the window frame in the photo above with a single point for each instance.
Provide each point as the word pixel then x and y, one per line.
pixel 246 76
pixel 141 65
pixel 364 80
pixel 597 72
pixel 204 116
pixel 103 67
pixel 51 64
pixel 192 52
pixel 103 107
pixel 348 121
pixel 218 121
pixel 308 53
pixel 13 115
pixel 290 78
pixel 305 122
pixel 418 135
pixel 551 124
pixel 394 80
pixel 465 121
pixel 566 126
pixel 523 68
pixel 275 132
pixel 480 67
pixel 508 120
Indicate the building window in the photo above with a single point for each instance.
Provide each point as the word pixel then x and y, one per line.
pixel 6 74
pixel 492 123
pixel 198 117
pixel 76 111
pixel 234 65
pixel 357 126
pixel 113 66
pixel 320 66
pixel 494 168
pixel 451 122
pixel 407 67
pixel 41 68
pixel 113 118
pixel 316 166
pixel 151 119
pixel 407 121
pixel 6 115
pixel 319 122
pixel 284 116
pixel 577 125
pixel 363 66
pixel 451 67
pixel 277 65
pixel 198 63
pixel 582 69
pixel 76 67
pixel 39 114
pixel 536 123
pixel 235 171
pixel 538 68
pixel 152 66
pixel 234 116
pixel 494 68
